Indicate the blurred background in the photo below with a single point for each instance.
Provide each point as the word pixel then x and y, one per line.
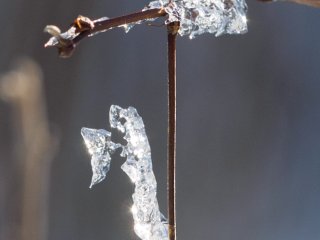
pixel 248 133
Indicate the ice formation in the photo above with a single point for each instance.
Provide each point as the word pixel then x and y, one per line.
pixel 148 221
pixel 205 16
pixel 195 17
pixel 100 146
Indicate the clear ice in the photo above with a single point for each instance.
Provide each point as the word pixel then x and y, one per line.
pixel 100 146
pixel 148 221
pixel 205 16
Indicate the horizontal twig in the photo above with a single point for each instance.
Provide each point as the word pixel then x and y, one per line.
pixel 83 27
pixel 118 21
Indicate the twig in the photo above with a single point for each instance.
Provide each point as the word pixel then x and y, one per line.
pixel 83 27
pixel 172 34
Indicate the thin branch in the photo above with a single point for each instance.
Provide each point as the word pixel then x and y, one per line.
pixel 172 34
pixel 83 27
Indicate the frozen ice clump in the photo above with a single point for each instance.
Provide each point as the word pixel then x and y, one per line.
pixel 148 221
pixel 138 166
pixel 205 16
pixel 100 146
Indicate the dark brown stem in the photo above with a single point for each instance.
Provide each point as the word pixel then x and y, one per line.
pixel 172 34
pixel 84 27
pixel 118 21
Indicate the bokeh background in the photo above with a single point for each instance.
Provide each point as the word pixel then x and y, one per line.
pixel 248 132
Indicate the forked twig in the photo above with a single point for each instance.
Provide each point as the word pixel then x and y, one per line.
pixel 83 27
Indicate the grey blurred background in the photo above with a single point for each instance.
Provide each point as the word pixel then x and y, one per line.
pixel 248 133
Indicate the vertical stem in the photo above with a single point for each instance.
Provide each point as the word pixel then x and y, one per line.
pixel 172 34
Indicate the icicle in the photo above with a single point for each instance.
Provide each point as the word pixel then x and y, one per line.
pixel 138 166
pixel 149 223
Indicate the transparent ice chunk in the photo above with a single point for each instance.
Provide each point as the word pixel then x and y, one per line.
pixel 100 146
pixel 205 16
pixel 149 223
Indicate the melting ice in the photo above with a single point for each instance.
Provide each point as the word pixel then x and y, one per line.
pixel 205 16
pixel 148 221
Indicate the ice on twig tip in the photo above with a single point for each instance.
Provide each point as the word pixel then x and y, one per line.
pixel 149 223
pixel 63 41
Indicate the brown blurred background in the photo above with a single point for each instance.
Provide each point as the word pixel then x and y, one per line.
pixel 248 138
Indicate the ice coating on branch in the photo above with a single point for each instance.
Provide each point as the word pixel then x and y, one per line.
pixel 98 21
pixel 149 223
pixel 100 146
pixel 205 16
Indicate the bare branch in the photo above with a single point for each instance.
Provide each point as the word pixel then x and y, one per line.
pixel 83 27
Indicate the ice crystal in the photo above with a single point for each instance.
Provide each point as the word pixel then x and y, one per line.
pixel 148 221
pixel 100 146
pixel 205 16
